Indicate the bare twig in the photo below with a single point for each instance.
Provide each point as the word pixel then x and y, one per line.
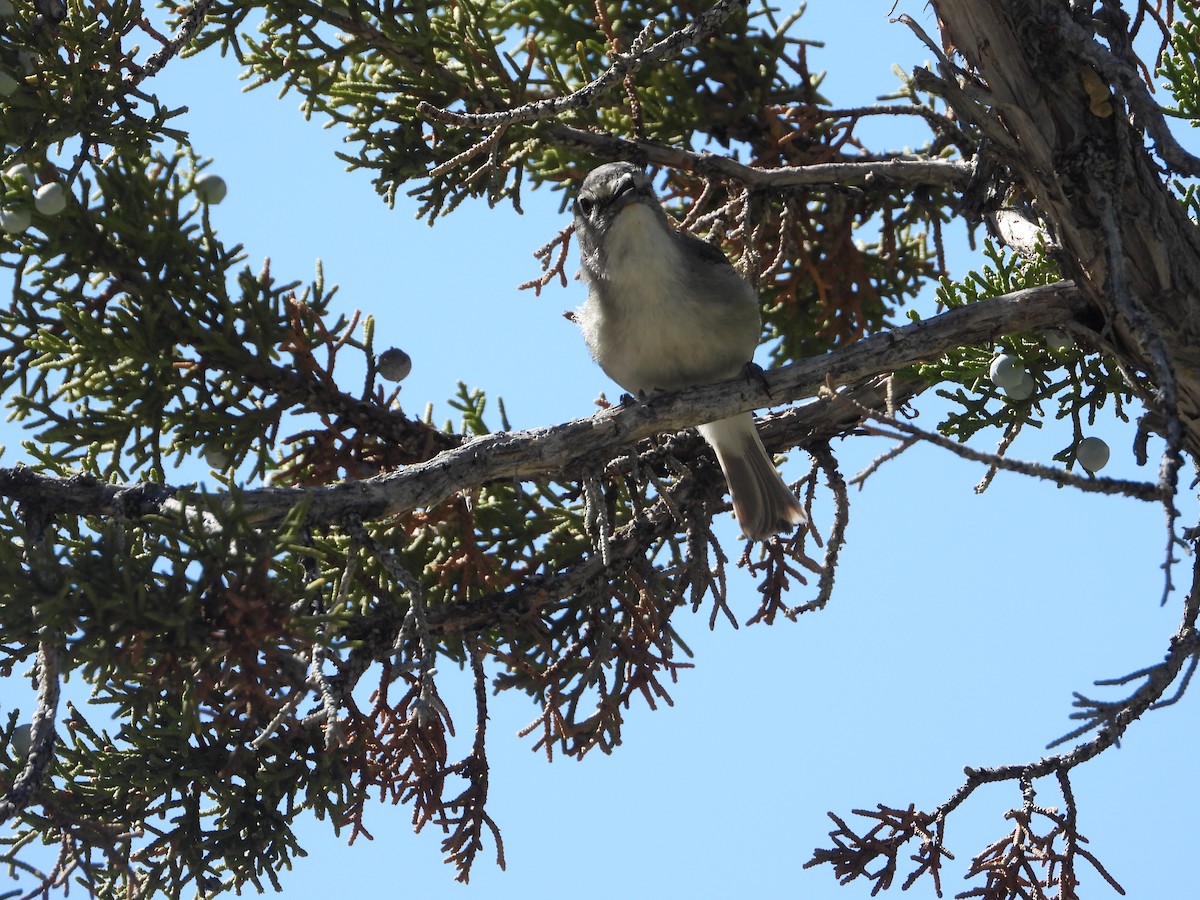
pixel 1010 861
pixel 1010 435
pixel 824 458
pixel 902 444
pixel 483 146
pixel 1139 490
pixel 1185 644
pixel 41 734
pixel 596 521
pixel 188 26
pixel 550 270
pixel 910 171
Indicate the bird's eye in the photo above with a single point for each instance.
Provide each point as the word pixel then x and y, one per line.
pixel 585 205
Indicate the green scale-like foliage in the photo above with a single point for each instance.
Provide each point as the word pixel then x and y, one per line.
pixel 368 67
pixel 231 653
pixel 1079 381
pixel 1179 66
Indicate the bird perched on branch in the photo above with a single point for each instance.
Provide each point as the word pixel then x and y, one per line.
pixel 664 311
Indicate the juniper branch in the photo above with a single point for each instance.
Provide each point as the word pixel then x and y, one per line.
pixel 623 64
pixel 562 450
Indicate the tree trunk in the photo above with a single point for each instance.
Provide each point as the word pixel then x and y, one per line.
pixel 1069 118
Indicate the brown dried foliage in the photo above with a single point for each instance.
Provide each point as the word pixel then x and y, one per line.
pixel 1036 865
pixel 622 651
pixel 401 751
pixel 356 437
pixel 854 854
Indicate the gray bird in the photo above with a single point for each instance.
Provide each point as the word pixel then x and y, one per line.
pixel 664 311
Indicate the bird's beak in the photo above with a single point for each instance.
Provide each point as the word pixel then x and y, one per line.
pixel 625 193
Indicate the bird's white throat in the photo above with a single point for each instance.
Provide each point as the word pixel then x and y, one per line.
pixel 642 256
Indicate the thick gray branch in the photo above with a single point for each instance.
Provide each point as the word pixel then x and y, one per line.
pixel 572 448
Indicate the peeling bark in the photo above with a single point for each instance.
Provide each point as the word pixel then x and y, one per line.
pixel 1035 83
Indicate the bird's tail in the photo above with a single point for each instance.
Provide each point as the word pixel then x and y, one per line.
pixel 762 502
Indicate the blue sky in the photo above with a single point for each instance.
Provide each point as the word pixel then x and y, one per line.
pixel 960 624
